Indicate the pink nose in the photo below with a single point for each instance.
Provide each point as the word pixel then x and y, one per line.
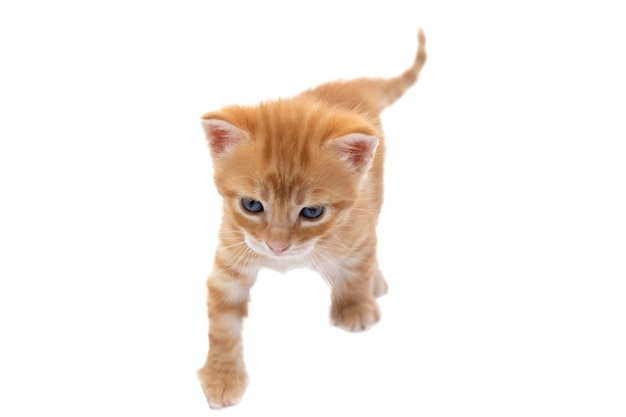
pixel 278 247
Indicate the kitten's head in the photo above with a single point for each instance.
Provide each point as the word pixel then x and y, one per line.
pixel 289 171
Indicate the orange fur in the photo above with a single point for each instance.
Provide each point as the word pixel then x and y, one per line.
pixel 278 166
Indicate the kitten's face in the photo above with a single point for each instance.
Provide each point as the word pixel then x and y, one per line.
pixel 283 214
pixel 286 186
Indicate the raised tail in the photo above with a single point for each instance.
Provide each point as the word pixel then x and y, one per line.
pixel 390 90
pixel 372 94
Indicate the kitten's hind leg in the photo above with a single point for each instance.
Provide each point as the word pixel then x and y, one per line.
pixel 379 285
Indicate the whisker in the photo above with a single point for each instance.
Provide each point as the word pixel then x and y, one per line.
pixel 322 272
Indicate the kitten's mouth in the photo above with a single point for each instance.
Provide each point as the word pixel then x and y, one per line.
pixel 276 251
pixel 287 252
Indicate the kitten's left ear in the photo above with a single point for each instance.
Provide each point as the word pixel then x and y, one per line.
pixel 222 136
pixel 356 150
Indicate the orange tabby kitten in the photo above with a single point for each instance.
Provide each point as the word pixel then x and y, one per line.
pixel 302 185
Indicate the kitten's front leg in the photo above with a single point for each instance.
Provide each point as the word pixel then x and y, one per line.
pixel 354 310
pixel 223 377
pixel 354 292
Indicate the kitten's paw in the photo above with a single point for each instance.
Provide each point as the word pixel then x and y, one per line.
pixel 222 389
pixel 355 317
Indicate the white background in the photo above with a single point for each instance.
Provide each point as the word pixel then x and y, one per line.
pixel 502 236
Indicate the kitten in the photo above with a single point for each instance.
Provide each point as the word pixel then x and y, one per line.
pixel 301 182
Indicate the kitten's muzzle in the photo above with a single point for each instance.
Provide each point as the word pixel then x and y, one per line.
pixel 278 247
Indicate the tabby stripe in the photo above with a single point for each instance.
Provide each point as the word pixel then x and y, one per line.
pixel 220 302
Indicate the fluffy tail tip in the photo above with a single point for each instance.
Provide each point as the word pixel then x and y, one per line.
pixel 420 58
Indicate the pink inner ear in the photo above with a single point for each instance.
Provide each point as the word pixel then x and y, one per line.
pixel 221 135
pixel 220 138
pixel 356 149
pixel 357 152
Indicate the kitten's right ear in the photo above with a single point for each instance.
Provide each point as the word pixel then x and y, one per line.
pixel 222 136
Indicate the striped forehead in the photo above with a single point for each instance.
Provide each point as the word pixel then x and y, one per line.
pixel 286 189
pixel 288 150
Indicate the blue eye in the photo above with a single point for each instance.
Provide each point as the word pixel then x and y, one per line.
pixel 312 213
pixel 252 206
